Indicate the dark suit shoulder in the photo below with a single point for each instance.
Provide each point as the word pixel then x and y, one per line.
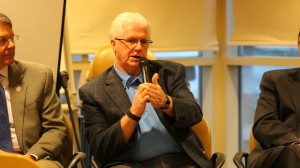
pixel 166 67
pixel 98 83
pixel 159 64
pixel 280 74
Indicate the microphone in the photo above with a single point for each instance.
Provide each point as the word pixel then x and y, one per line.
pixel 144 67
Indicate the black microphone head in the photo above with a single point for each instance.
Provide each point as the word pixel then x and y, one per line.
pixel 144 69
pixel 143 60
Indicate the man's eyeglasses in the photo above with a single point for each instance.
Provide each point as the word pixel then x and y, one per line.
pixel 133 42
pixel 4 40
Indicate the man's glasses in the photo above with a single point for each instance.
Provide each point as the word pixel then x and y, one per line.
pixel 133 42
pixel 5 40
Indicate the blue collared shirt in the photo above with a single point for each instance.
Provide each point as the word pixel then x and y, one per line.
pixel 153 138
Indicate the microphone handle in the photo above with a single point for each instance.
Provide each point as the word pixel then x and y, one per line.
pixel 145 69
pixel 145 74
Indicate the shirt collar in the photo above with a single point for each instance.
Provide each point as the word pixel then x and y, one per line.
pixel 124 77
pixel 4 71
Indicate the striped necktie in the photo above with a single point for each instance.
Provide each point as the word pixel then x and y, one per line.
pixel 5 136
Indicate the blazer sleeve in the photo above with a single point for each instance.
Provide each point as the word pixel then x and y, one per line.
pixel 52 140
pixel 268 128
pixel 187 112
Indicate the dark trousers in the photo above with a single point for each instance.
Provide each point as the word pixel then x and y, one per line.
pixel 289 157
pixel 163 161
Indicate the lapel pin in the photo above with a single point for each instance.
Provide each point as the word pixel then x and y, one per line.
pixel 19 89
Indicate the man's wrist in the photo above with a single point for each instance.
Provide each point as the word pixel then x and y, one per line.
pixel 166 104
pixel 132 116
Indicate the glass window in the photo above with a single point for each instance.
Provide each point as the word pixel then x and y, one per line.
pixel 193 73
pixel 76 58
pixel 91 57
pixel 178 54
pixel 160 55
pixel 282 51
pixel 193 78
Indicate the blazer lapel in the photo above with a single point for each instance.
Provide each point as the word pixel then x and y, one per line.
pixel 294 90
pixel 17 95
pixel 116 91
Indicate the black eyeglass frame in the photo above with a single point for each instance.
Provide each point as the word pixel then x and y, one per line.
pixel 132 41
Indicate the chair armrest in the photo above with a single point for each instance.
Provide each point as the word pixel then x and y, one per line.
pixel 238 157
pixel 95 164
pixel 76 158
pixel 218 159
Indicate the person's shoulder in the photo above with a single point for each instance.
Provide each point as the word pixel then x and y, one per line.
pixel 98 80
pixel 282 72
pixel 27 65
pixel 165 63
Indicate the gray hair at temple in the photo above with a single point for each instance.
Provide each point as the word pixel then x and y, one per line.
pixel 125 18
pixel 5 19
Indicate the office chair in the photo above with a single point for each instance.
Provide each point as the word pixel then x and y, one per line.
pixel 104 58
pixel 202 130
pixel 238 157
pixel 72 159
pixel 13 160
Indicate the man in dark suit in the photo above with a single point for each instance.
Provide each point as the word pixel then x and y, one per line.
pixel 33 111
pixel 129 124
pixel 277 120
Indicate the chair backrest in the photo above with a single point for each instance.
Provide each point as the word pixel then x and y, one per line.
pixel 202 130
pixel 68 153
pixel 253 142
pixel 13 160
pixel 104 58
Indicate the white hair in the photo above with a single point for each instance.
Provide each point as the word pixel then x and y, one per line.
pixel 126 18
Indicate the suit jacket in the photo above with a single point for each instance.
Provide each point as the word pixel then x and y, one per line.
pixel 105 102
pixel 37 112
pixel 277 117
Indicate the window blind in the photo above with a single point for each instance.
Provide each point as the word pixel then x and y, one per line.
pixel 267 22
pixel 176 25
